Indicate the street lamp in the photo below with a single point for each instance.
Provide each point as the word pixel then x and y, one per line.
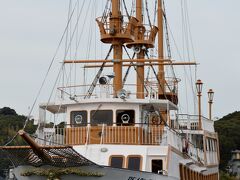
pixel 210 102
pixel 199 86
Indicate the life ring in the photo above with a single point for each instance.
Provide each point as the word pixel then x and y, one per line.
pixel 125 118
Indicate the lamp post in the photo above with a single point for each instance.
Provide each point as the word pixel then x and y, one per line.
pixel 210 102
pixel 199 86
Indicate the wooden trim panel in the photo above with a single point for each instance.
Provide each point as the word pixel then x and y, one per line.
pixel 130 135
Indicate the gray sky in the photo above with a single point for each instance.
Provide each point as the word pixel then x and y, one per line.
pixel 30 31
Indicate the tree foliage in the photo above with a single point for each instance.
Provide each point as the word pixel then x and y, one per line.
pixel 7 111
pixel 228 129
pixel 10 124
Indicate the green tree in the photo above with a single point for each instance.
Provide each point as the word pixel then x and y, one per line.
pixel 10 124
pixel 228 129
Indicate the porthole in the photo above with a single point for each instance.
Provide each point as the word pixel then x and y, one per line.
pixel 125 118
pixel 78 119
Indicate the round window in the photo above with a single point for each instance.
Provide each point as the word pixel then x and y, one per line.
pixel 78 119
pixel 125 118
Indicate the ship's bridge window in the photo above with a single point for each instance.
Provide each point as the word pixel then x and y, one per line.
pixel 99 117
pixel 125 117
pixel 134 162
pixel 78 118
pixel 116 161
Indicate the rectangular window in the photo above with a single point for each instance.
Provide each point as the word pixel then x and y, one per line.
pixel 99 117
pixel 125 117
pixel 207 144
pixel 210 145
pixel 117 161
pixel 157 166
pixel 78 118
pixel 214 145
pixel 134 163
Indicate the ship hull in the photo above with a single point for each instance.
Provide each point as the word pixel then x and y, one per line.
pixel 95 172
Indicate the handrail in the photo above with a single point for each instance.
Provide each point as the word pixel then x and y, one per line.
pixel 137 135
pixel 190 122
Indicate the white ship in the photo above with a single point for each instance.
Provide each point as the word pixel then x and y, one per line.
pixel 125 125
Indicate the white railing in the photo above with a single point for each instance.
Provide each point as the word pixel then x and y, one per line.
pixel 208 124
pixel 180 143
pixel 103 91
pixel 106 22
pixel 106 91
pixel 53 136
pixel 171 84
pixel 190 122
pixel 174 140
pixel 195 153
pixel 212 157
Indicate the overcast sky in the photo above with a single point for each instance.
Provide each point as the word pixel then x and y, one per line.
pixel 30 31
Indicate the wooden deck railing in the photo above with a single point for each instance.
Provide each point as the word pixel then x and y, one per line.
pixel 149 135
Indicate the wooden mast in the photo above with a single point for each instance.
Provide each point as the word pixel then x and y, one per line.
pixel 161 77
pixel 161 87
pixel 115 25
pixel 140 55
pixel 113 32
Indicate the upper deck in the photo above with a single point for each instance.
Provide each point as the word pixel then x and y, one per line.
pixel 62 107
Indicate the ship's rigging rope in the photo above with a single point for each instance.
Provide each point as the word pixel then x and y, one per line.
pixel 186 26
pixel 78 39
pixel 66 53
pixel 94 83
pixel 133 8
pixel 166 32
pixel 106 11
pixel 155 12
pixel 69 76
pixel 148 16
pixel 46 75
pixel 125 7
pixel 187 41
pixel 52 61
pixel 138 75
pixel 152 50
pixel 90 31
pixel 156 76
pixel 128 70
pixel 68 46
pixel 168 43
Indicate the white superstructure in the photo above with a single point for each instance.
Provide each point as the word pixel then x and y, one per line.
pixel 137 125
